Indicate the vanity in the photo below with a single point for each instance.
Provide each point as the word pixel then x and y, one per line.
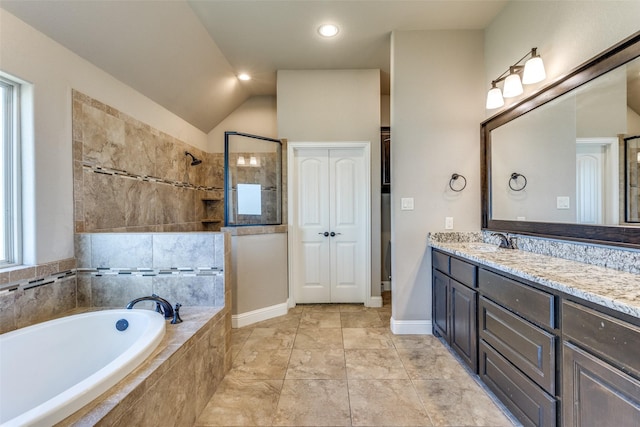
pixel 551 329
pixel 557 341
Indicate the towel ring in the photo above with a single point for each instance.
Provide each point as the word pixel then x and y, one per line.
pixel 454 177
pixel 514 178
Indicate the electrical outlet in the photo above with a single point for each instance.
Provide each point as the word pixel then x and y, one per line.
pixel 448 223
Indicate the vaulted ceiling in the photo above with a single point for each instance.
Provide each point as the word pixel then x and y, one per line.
pixel 185 54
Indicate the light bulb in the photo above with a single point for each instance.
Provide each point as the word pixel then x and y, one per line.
pixel 533 71
pixel 512 86
pixel 328 30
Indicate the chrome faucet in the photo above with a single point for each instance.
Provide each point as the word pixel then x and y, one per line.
pixel 506 242
pixel 162 305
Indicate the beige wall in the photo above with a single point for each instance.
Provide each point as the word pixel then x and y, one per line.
pixel 566 33
pixel 257 116
pixel 47 160
pixel 259 271
pixel 336 106
pixel 437 91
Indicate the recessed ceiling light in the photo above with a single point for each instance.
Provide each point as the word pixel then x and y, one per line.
pixel 244 76
pixel 328 30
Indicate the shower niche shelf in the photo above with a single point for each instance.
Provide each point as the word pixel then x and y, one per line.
pixel 211 211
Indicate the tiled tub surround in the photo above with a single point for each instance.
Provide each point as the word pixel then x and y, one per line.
pixel 175 383
pixel 131 177
pixel 615 289
pixel 34 294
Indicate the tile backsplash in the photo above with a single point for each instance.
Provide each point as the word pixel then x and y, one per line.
pixel 129 176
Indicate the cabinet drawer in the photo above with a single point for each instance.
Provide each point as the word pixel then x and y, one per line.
pixel 529 348
pixel 535 305
pixel 608 337
pixel 463 272
pixel 526 401
pixel 440 261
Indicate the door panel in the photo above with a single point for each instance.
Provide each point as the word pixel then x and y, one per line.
pixel 311 272
pixel 330 189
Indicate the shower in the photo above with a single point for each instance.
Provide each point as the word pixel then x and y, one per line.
pixel 194 161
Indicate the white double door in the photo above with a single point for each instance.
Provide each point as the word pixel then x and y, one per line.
pixel 328 259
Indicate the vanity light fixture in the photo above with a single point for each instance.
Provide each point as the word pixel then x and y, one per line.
pixel 532 72
pixel 241 161
pixel 244 77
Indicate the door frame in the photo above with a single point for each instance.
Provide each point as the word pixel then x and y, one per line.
pixel 292 151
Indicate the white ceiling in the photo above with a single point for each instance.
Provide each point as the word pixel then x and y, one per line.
pixel 185 54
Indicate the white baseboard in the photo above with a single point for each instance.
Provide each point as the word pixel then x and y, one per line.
pixel 250 317
pixel 411 327
pixel 375 302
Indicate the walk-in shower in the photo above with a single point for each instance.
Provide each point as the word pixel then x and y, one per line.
pixel 253 180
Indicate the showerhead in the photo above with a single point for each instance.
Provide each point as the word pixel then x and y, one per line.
pixel 194 161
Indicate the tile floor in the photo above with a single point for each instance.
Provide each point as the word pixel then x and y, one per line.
pixel 340 365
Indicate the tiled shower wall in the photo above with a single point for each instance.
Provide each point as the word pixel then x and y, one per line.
pixel 131 177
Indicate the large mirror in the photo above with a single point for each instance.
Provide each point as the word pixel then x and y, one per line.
pixel 564 163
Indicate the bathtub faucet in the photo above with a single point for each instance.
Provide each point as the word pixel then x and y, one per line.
pixel 162 305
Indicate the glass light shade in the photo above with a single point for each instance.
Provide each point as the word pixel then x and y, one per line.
pixel 253 161
pixel 533 71
pixel 494 98
pixel 638 157
pixel 241 160
pixel 512 86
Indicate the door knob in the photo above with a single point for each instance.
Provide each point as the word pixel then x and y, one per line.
pixel 334 234
pixel 325 234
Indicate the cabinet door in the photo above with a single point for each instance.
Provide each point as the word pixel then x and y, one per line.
pixel 441 304
pixel 463 326
pixel 595 393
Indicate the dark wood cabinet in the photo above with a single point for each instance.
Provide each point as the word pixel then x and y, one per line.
pixel 463 324
pixel 551 358
pixel 441 304
pixel 455 305
pixel 597 394
pixel 600 369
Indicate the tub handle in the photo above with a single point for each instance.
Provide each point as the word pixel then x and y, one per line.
pixel 176 314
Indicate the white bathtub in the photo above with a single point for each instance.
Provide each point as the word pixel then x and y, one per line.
pixel 50 370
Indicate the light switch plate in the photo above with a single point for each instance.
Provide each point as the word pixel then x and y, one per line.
pixel 562 202
pixel 406 204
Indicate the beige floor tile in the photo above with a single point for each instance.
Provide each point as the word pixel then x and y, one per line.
pixel 280 322
pixel 386 403
pixel 319 338
pixel 271 338
pixel 459 403
pixel 260 365
pixel 316 364
pixel 431 364
pixel 320 307
pixel 364 319
pixel 366 338
pixel 242 403
pixel 313 403
pixel 351 308
pixel 320 319
pixel 379 364
pixel 416 341
pixel 238 338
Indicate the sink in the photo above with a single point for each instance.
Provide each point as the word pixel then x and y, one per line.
pixel 480 247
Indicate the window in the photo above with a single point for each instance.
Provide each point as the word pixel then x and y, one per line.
pixel 10 253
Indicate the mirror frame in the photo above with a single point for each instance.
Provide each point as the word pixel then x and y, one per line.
pixel 611 58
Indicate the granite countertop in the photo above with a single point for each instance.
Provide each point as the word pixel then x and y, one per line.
pixel 611 288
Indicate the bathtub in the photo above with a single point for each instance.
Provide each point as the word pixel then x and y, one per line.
pixel 50 370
